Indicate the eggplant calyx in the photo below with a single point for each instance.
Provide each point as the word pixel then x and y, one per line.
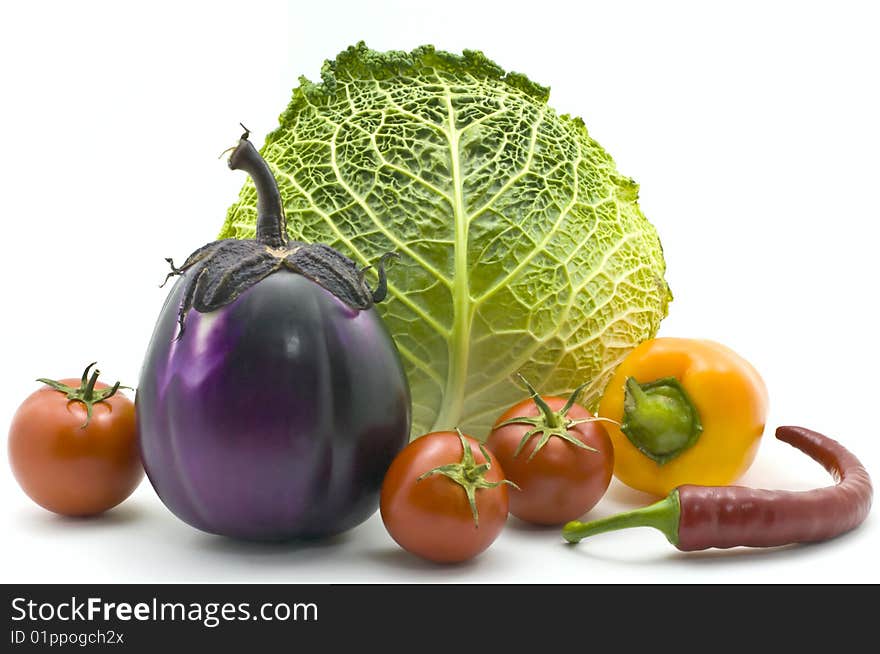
pixel 381 290
pixel 86 391
pixel 550 423
pixel 217 273
pixel 468 474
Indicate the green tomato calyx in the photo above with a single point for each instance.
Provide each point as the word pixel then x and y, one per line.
pixel 468 474
pixel 550 423
pixel 659 418
pixel 86 391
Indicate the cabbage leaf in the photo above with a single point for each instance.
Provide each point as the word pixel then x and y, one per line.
pixel 522 248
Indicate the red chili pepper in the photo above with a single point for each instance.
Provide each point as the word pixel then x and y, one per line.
pixel 700 517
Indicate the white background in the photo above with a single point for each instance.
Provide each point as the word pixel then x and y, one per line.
pixel 753 130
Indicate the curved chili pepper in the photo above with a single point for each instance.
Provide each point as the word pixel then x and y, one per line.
pixel 701 517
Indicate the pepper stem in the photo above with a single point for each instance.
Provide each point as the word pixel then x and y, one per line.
pixel 659 418
pixel 663 516
pixel 271 224
pixel 86 391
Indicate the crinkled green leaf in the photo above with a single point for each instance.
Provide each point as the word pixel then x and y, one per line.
pixel 522 248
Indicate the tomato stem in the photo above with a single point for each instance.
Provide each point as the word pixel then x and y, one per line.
pixel 550 423
pixel 89 387
pixel 86 391
pixel 468 474
pixel 552 419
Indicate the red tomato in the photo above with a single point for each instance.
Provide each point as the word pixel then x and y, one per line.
pixel 68 462
pixel 558 480
pixel 425 498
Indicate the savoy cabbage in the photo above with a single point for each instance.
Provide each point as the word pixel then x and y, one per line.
pixel 522 248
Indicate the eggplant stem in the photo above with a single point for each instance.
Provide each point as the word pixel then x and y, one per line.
pixel 271 225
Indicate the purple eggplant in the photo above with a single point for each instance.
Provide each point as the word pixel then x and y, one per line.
pixel 272 398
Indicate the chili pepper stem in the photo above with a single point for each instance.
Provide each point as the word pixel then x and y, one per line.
pixel 663 516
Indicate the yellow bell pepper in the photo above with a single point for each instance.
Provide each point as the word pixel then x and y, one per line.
pixel 690 412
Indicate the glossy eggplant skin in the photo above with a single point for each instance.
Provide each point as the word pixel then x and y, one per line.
pixel 274 417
